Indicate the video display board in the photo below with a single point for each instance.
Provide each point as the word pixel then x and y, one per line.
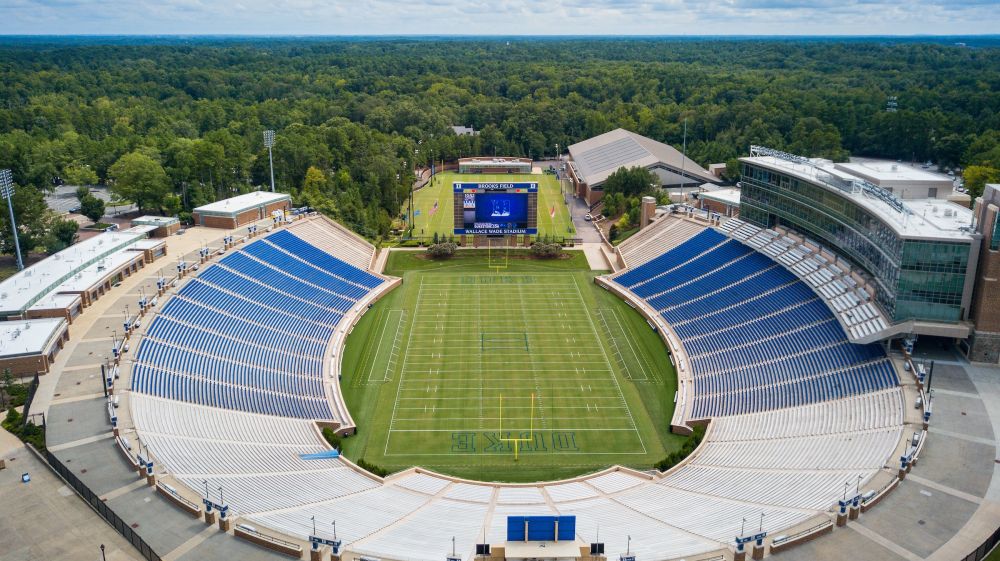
pixel 496 209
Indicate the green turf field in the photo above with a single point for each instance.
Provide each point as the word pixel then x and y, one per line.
pixel 441 219
pixel 462 364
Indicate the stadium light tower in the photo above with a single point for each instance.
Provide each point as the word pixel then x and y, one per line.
pixel 7 191
pixel 269 142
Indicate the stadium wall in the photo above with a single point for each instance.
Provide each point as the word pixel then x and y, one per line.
pixel 336 350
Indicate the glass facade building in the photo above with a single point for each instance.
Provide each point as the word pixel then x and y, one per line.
pixel 914 278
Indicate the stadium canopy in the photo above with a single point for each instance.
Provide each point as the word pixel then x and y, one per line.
pixel 597 158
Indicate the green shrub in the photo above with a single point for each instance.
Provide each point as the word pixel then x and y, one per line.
pixel 15 393
pixel 546 250
pixel 675 457
pixel 12 422
pixel 332 437
pixel 442 250
pixel 372 468
pixel 29 433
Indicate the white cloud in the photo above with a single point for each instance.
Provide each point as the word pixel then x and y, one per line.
pixel 502 17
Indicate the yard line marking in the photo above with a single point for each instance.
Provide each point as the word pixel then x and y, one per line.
pixel 402 372
pixel 620 394
pixel 430 374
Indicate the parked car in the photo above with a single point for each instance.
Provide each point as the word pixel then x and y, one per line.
pixel 588 217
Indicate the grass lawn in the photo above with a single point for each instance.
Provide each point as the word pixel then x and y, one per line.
pixel 7 271
pixel 442 219
pixel 461 364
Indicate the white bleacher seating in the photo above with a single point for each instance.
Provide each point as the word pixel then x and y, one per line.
pixel 797 410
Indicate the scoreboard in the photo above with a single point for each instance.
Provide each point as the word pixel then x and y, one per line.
pixel 496 209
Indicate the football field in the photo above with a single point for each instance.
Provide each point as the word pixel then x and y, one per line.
pixel 483 373
pixel 461 371
pixel 434 203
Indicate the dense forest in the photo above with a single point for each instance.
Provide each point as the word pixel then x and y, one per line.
pixel 173 124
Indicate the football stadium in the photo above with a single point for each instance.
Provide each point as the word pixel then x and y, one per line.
pixel 715 387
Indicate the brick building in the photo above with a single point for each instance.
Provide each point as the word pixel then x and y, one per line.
pixel 242 209
pixel 984 344
pixel 726 202
pixel 66 282
pixel 494 165
pixel 164 225
pixel 28 347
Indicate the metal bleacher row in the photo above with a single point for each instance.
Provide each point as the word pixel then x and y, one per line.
pixel 757 338
pixel 836 282
pixel 667 231
pixel 798 411
pixel 250 332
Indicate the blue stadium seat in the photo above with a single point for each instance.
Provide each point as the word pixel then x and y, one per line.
pixel 250 333
pixel 756 337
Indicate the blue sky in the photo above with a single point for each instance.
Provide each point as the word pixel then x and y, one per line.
pixel 502 17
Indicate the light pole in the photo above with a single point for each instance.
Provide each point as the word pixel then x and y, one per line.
pixel 103 558
pixel 7 190
pixel 269 142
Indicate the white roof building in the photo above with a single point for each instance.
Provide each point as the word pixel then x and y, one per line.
pixel 242 203
pixel 29 337
pixel 594 159
pixel 906 182
pixel 73 265
pixel 917 218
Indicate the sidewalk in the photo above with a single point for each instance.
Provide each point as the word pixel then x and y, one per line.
pixel 45 519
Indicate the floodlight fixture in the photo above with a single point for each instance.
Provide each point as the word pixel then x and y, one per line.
pixel 7 191
pixel 269 142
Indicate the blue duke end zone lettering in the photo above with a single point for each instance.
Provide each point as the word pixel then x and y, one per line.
pixel 493 442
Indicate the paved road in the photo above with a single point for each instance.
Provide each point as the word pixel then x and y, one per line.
pixel 584 230
pixel 64 198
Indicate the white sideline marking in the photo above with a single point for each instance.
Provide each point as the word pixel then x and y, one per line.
pixel 449 379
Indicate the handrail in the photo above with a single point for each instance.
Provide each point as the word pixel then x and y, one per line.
pixel 251 531
pixel 782 539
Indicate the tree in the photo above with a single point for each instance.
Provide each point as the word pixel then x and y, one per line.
pixel 82 192
pixel 79 174
pixel 140 179
pixel 33 220
pixel 631 182
pixel 976 178
pixel 63 235
pixel 172 205
pixel 816 139
pixel 316 183
pixel 92 207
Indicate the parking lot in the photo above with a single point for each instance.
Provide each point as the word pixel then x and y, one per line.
pixel 63 200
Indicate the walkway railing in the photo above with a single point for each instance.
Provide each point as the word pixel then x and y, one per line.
pixel 985 548
pixel 102 508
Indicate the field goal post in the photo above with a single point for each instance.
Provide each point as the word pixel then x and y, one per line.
pixel 498 257
pixel 531 428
